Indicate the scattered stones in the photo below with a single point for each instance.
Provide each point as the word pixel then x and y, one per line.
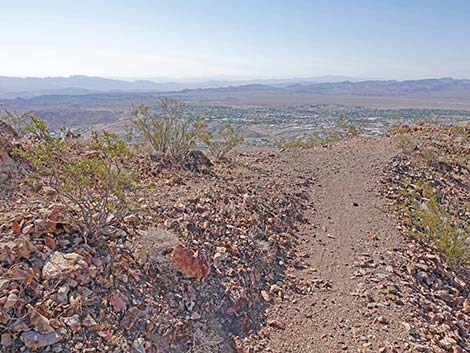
pixel 275 289
pixel 197 161
pixel 62 294
pixel 195 316
pixel 39 322
pixel 6 340
pixel 382 320
pixel 220 254
pixel 436 292
pixel 124 288
pixel 138 346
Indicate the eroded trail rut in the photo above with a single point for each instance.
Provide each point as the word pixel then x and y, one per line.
pixel 343 263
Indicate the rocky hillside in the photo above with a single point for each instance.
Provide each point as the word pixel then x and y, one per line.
pixel 359 246
pixel 190 268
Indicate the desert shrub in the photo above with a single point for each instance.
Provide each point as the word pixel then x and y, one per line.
pixel 407 144
pixel 315 139
pixel 92 177
pixel 169 131
pixel 19 122
pixel 332 136
pixel 221 142
pixel 308 142
pixel 395 128
pixel 431 156
pixel 350 128
pixel 462 131
pixel 428 220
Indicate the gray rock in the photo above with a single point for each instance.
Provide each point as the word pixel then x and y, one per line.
pixel 35 340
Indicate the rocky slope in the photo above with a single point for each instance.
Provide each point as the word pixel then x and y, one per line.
pixel 274 251
pixel 189 270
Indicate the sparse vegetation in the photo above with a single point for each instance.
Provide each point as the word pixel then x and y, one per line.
pixel 350 128
pixel 462 131
pixel 19 122
pixel 406 143
pixel 304 143
pixel 394 128
pixel 430 156
pixel 346 129
pixel 427 220
pixel 221 142
pixel 432 212
pixel 92 178
pixel 169 131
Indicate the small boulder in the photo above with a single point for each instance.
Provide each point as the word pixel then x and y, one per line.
pixel 60 265
pixel 197 161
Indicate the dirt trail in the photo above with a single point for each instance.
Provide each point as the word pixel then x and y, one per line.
pixel 344 259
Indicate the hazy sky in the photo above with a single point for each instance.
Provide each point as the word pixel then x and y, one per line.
pixel 249 38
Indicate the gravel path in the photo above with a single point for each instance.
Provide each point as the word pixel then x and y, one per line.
pixel 342 269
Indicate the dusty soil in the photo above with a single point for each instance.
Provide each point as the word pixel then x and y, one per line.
pixel 353 278
pixel 343 265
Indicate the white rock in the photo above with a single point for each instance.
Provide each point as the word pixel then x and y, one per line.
pixel 60 264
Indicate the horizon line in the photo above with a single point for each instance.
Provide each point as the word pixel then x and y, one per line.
pixel 229 78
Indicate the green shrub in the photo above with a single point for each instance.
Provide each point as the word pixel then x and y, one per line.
pixel 407 143
pixel 463 131
pixel 19 122
pixel 169 131
pixel 93 177
pixel 395 128
pixel 350 128
pixel 221 142
pixel 304 143
pixel 428 220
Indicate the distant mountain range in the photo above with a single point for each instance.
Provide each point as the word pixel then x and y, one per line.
pixel 386 88
pixel 12 87
pixel 27 88
pixel 85 101
pixel 443 86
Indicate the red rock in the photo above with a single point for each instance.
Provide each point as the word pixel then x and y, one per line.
pixel 50 243
pixel 118 301
pixel 190 263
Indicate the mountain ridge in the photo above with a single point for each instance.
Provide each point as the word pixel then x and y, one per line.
pixel 29 87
